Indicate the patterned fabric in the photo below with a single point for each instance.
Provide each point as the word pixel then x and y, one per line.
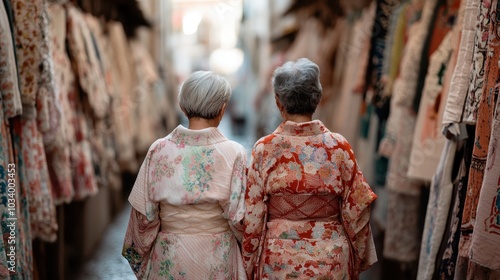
pixel 183 174
pixel 485 238
pixel 41 205
pixel 9 84
pixel 122 77
pixel 484 117
pixel 5 160
pixel 383 13
pixel 437 212
pixel 450 261
pixel 59 154
pixel 477 74
pixel 459 84
pixel 85 57
pixel 147 109
pixel 36 85
pixel 24 258
pixel 428 141
pixel 11 106
pixel 84 179
pixel 308 207
pixel 48 109
pixel 401 240
pixel 28 39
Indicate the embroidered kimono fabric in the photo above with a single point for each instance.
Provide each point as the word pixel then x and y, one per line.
pixel 188 203
pixel 308 207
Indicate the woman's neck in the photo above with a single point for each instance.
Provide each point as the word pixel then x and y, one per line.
pixel 201 123
pixel 297 118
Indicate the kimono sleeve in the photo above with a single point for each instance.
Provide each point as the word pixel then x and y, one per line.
pixel 255 213
pixel 144 223
pixel 356 202
pixel 234 210
pixel 140 197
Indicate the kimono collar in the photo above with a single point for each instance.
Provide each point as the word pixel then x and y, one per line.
pixel 311 128
pixel 201 137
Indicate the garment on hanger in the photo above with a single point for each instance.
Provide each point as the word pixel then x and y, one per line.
pixel 84 180
pixel 437 212
pixel 485 237
pixel 9 82
pixel 59 153
pixel 122 113
pixel 459 84
pixel 484 118
pixel 476 80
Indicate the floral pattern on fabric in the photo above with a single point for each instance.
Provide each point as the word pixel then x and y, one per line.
pixel 9 84
pixel 183 171
pixel 304 170
pixel 28 39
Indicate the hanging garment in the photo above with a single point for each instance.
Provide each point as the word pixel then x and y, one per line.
pixel 39 113
pixel 104 144
pixel 394 48
pixel 485 238
pixel 88 68
pixel 308 207
pixel 10 106
pixel 101 158
pixel 47 105
pixel 437 212
pixel 355 47
pixel 428 141
pixel 478 68
pixel 59 152
pixel 402 239
pixel 86 77
pixel 384 11
pixel 146 110
pixel 42 213
pixel 9 82
pixel 459 85
pixel 188 204
pixel 122 113
pixel 484 117
pixel 28 40
pixel 450 261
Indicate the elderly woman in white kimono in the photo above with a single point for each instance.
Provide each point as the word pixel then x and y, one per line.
pixel 308 204
pixel 188 199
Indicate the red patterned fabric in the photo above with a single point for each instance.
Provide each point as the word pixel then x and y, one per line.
pixel 308 207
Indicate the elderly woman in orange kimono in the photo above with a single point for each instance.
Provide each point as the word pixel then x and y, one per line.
pixel 308 204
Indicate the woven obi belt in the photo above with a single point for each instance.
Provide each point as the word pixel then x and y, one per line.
pixel 203 218
pixel 297 216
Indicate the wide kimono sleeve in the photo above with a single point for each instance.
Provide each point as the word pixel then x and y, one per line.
pixel 355 211
pixel 234 208
pixel 255 213
pixel 144 223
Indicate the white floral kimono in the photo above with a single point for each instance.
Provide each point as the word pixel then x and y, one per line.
pixel 188 206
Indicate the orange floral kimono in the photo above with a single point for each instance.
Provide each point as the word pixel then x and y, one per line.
pixel 308 207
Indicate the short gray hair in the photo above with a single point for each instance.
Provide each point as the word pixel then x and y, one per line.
pixel 203 95
pixel 297 86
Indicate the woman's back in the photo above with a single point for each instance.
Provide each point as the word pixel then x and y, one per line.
pixel 192 184
pixel 307 203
